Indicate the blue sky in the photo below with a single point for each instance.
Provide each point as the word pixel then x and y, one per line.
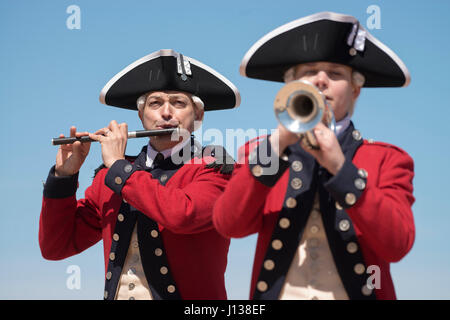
pixel 51 78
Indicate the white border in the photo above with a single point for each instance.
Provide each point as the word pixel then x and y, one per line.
pixel 326 15
pixel 168 53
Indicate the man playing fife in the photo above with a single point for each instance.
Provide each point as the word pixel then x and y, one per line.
pixel 153 211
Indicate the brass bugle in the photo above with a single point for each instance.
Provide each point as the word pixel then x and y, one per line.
pixel 299 107
pixel 131 134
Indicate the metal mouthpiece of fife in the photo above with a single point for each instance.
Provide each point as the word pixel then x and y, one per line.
pixel 131 134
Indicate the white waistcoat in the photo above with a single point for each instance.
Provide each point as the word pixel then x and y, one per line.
pixel 313 273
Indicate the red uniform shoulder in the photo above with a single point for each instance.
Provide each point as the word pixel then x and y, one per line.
pixel 383 145
pixel 248 147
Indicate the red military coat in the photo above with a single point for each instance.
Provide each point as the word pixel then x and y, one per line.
pixel 172 206
pixel 367 203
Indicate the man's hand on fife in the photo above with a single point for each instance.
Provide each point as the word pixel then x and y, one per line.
pixel 113 140
pixel 70 157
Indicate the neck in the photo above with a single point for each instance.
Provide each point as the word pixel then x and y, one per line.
pixel 162 143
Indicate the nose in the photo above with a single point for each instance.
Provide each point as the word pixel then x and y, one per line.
pixel 320 80
pixel 166 111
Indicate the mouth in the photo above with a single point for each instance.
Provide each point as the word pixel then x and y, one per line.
pixel 166 126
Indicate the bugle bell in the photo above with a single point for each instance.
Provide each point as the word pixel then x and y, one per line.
pixel 300 106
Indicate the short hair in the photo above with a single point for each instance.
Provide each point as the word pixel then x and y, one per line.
pixel 140 102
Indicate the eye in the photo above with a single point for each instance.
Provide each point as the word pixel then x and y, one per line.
pixel 310 72
pixel 154 103
pixel 180 103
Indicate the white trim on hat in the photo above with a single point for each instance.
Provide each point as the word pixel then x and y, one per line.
pixel 316 17
pixel 168 53
pixel 391 54
pixel 237 95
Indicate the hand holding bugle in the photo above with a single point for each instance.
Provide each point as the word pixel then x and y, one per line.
pixel 131 134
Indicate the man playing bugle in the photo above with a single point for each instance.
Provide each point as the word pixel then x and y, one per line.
pixel 331 215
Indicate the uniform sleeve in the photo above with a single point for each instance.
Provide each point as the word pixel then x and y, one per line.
pixel 239 211
pixel 380 208
pixel 67 226
pixel 183 210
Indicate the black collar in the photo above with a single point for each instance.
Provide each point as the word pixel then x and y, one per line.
pixel 191 150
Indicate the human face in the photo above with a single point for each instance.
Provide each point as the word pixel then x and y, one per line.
pixel 168 109
pixel 335 82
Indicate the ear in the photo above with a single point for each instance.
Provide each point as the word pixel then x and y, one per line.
pixel 199 114
pixel 355 92
pixel 140 114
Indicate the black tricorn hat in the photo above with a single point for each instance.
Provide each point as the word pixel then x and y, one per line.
pixel 324 36
pixel 167 69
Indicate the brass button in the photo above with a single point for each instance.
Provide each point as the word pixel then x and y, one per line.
pixel 105 294
pixel 171 288
pixel 158 252
pixel 350 199
pixel 352 247
pixel 163 270
pixel 112 256
pixel 362 173
pixel 359 268
pixel 366 290
pixel 284 223
pixel 344 225
pixel 108 275
pixel 154 233
pixel 163 178
pixel 131 286
pixel 131 298
pixel 135 244
pixel 269 264
pixel 352 51
pixel 360 184
pixel 262 286
pixel 297 166
pixel 118 180
pixel 314 229
pixel 116 237
pixel 338 206
pixel 277 244
pixel 257 170
pixel 120 217
pixel 291 202
pixel 356 135
pixel 127 168
pixel 296 183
